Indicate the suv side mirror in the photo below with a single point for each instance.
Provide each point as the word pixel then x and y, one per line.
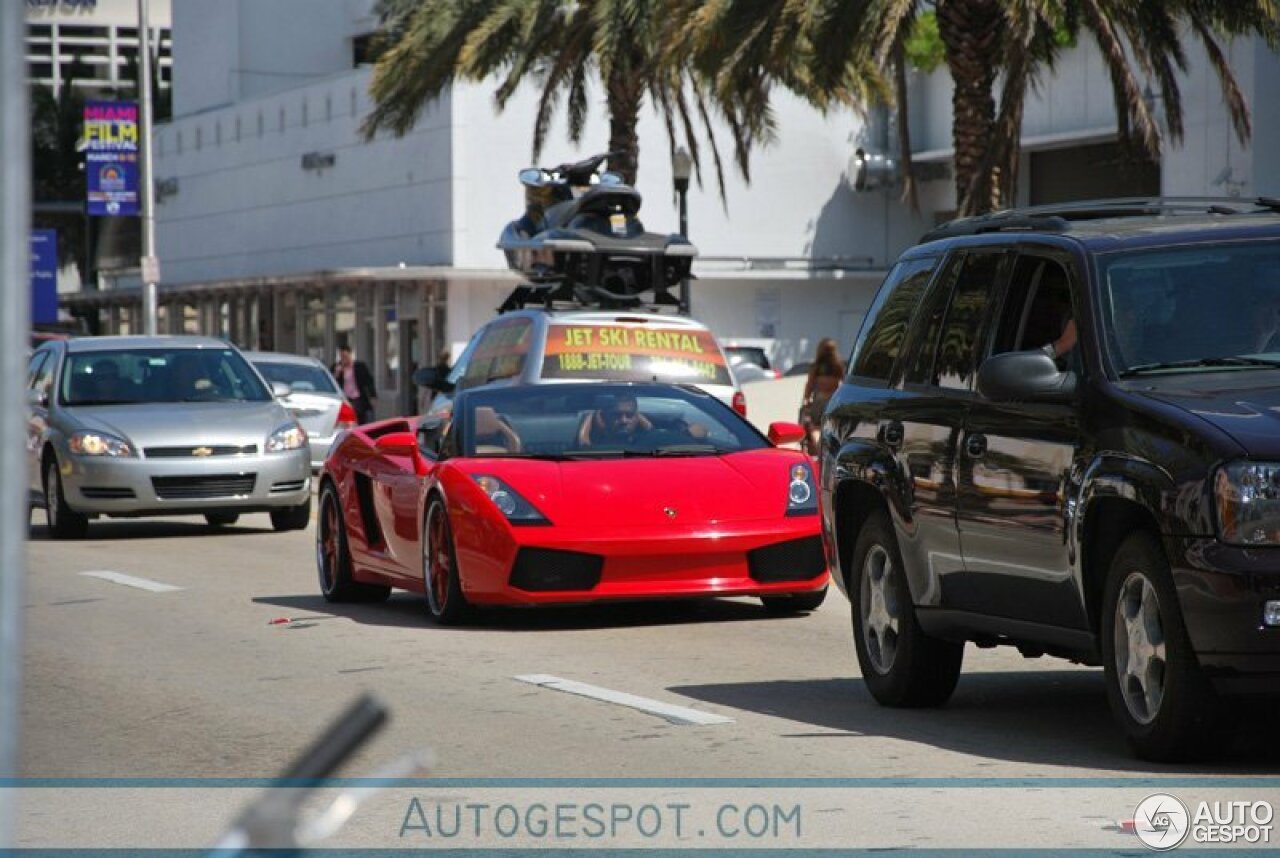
pixel 430 377
pixel 431 431
pixel 1025 376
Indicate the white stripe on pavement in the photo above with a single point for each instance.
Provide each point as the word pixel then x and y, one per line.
pixel 674 714
pixel 130 581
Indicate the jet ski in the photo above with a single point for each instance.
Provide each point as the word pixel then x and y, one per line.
pixel 580 241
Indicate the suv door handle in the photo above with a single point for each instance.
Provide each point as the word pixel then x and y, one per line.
pixel 891 433
pixel 975 446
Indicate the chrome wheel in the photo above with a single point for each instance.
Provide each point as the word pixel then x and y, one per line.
pixel 1140 658
pixel 881 609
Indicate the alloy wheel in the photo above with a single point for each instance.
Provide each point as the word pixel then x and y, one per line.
pixel 881 609
pixel 436 562
pixel 327 544
pixel 1140 657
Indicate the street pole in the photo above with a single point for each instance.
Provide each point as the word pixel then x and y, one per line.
pixel 15 320
pixel 150 265
pixel 681 171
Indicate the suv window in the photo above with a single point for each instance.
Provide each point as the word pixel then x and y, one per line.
pixel 1036 307
pixel 500 352
pixel 885 326
pixel 975 276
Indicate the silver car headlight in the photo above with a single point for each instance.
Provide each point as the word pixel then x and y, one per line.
pixel 99 444
pixel 290 436
pixel 1248 503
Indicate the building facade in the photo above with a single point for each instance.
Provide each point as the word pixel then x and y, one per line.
pixel 280 227
pixel 93 44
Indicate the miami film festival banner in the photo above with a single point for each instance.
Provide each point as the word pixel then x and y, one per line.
pixel 111 157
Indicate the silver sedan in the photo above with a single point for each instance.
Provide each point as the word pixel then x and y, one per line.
pixel 314 398
pixel 142 426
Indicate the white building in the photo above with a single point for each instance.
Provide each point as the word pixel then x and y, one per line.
pixel 280 228
pixel 102 35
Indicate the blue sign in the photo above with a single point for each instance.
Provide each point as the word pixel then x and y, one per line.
pixel 111 156
pixel 44 275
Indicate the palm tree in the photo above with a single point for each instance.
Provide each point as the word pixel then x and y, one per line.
pixel 985 43
pixel 562 47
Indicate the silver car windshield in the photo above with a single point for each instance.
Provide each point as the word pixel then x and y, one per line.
pixel 1195 308
pixel 301 378
pixel 126 376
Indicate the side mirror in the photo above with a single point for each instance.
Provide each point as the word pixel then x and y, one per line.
pixel 397 444
pixel 785 433
pixel 431 431
pixel 430 377
pixel 38 398
pixel 280 390
pixel 1029 376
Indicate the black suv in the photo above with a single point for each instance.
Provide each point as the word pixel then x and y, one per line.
pixel 1060 430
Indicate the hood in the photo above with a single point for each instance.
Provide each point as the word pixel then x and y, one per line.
pixel 1244 404
pixel 628 493
pixel 168 424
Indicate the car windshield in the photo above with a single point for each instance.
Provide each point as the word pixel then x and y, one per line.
pixel 1193 308
pixel 589 421
pixel 135 376
pixel 301 378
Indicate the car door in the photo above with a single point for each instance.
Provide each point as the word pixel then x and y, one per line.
pixel 1015 464
pixel 39 393
pixel 937 383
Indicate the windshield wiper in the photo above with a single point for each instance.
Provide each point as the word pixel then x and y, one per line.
pixel 1227 361
pixel 83 402
pixel 687 450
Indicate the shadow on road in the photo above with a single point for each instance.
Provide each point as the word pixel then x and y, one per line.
pixel 128 528
pixel 408 610
pixel 1045 717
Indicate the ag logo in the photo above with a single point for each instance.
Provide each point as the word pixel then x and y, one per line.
pixel 1161 821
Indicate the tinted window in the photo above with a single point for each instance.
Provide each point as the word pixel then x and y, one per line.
pixel 885 327
pixel 500 352
pixel 976 281
pixel 1036 307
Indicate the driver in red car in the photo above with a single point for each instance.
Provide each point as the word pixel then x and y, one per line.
pixel 621 424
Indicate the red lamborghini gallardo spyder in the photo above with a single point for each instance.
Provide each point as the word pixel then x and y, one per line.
pixel 576 492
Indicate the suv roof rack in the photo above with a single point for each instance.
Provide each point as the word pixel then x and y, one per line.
pixel 1058 217
pixel 559 295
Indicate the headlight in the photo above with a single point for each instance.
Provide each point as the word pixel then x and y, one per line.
pixel 99 444
pixel 515 508
pixel 802 499
pixel 1248 503
pixel 288 437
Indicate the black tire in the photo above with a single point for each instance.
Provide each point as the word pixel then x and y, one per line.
pixel 333 557
pixel 901 665
pixel 293 518
pixel 799 603
pixel 221 519
pixel 446 603
pixel 64 522
pixel 1164 704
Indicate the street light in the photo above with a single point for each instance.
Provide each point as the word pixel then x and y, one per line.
pixel 681 170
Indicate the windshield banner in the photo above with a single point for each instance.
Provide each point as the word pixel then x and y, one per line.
pixel 622 353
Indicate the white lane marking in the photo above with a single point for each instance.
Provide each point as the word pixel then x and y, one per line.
pixel 674 714
pixel 130 581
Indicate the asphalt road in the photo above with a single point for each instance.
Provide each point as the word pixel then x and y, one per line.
pixel 197 682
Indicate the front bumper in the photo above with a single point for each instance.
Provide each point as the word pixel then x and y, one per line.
pixel 139 486
pixel 1222 590
pixel 751 559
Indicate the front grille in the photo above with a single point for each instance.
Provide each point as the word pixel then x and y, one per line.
pixel 544 569
pixel 107 493
pixel 205 451
pixel 291 486
pixel 211 486
pixel 793 560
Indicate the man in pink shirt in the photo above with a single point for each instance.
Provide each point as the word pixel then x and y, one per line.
pixel 356 381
